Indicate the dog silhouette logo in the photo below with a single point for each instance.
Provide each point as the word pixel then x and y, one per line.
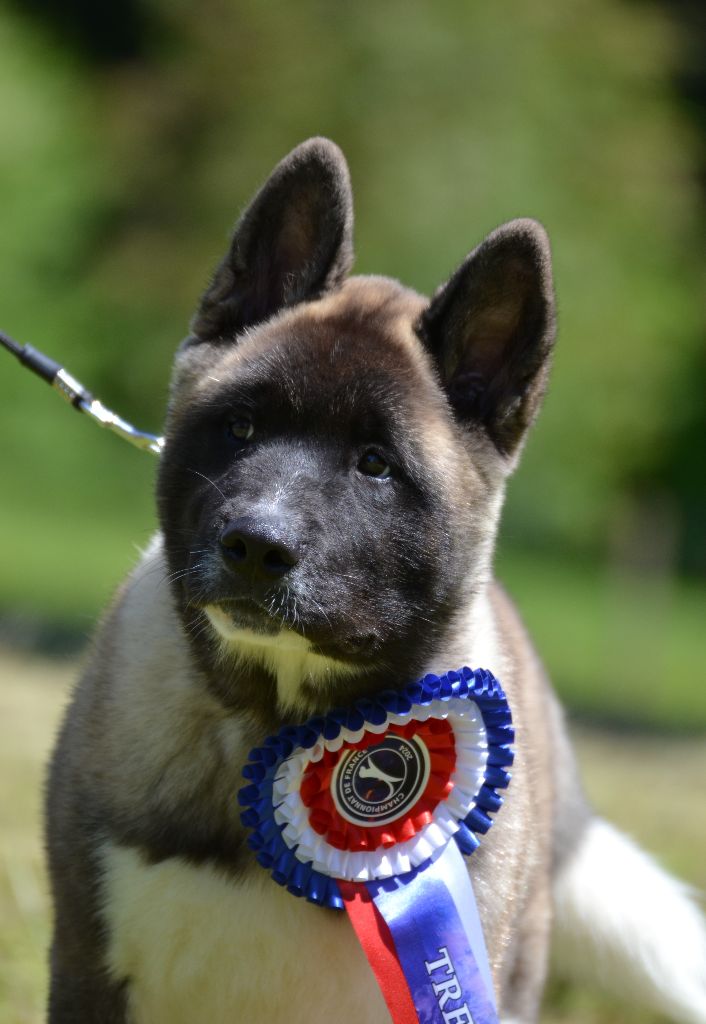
pixel 369 770
pixel 381 783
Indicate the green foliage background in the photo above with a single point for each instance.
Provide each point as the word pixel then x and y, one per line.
pixel 127 152
pixel 131 135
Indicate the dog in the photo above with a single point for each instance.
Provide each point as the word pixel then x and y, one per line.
pixel 337 450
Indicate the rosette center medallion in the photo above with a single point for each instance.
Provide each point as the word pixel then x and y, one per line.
pixel 376 786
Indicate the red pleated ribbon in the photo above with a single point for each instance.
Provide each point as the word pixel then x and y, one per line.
pixel 438 737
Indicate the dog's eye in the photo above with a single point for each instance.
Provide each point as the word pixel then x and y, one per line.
pixel 373 464
pixel 241 428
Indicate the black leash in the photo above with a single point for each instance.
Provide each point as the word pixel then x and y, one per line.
pixel 78 396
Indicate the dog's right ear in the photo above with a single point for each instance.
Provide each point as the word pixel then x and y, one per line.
pixel 294 242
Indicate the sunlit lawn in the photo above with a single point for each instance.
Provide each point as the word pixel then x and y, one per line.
pixel 620 648
pixel 648 785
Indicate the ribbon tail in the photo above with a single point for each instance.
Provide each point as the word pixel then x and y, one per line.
pixel 376 940
pixel 434 924
pixel 461 890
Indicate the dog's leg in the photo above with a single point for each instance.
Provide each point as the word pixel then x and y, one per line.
pixel 88 997
pixel 528 974
pixel 81 989
pixel 623 921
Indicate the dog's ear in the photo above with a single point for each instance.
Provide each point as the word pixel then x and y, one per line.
pixel 292 243
pixel 491 330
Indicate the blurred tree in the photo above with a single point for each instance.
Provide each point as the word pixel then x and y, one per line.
pixel 679 467
pixel 131 146
pixel 105 32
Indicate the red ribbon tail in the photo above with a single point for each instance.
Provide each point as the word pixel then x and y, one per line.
pixel 376 940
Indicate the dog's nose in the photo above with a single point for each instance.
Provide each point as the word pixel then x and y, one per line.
pixel 258 547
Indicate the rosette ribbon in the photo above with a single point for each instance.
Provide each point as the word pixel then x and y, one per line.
pixel 370 809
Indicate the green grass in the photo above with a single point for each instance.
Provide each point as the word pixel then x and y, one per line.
pixel 639 782
pixel 621 649
pixel 73 526
pixel 31 696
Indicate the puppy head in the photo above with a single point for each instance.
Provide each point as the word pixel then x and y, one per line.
pixel 337 447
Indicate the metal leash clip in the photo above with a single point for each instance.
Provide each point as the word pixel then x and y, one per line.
pixel 80 397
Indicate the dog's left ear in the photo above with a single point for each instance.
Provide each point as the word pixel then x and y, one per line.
pixel 491 330
pixel 292 243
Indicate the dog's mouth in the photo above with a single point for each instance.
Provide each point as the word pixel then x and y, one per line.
pixel 233 616
pixel 244 621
